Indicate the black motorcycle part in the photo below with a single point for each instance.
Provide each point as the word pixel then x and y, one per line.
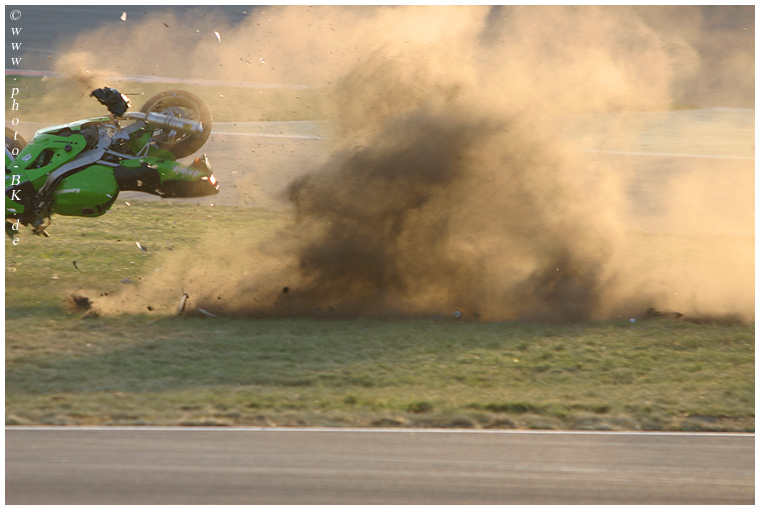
pixel 198 188
pixel 13 140
pixel 116 102
pixel 22 194
pixel 143 178
pixel 147 180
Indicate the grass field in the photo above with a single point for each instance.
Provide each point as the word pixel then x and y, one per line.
pixel 147 369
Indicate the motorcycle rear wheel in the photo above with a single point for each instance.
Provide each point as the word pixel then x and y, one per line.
pixel 180 103
pixel 13 140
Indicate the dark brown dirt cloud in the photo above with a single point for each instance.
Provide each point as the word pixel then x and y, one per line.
pixel 447 186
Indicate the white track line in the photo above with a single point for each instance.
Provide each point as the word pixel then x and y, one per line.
pixel 165 79
pixel 389 430
pixel 264 135
pixel 668 155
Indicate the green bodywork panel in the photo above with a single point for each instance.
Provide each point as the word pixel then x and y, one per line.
pixel 45 155
pixel 90 192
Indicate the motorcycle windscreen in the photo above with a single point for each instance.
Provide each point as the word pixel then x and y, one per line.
pixel 89 193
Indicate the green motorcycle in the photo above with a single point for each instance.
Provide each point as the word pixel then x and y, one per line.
pixel 78 169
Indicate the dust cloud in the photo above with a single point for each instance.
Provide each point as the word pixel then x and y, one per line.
pixel 448 184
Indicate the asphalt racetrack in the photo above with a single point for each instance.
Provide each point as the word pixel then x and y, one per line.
pixel 333 466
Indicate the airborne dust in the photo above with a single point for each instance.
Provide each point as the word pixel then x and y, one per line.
pixel 448 182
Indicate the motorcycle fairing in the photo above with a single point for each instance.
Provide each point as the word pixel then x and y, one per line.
pixel 167 178
pixel 89 192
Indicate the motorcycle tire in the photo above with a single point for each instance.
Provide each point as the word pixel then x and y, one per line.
pixel 180 103
pixel 13 140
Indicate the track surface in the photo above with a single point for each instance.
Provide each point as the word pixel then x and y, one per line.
pixel 276 466
pixel 46 29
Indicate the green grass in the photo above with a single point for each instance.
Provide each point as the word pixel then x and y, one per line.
pixel 146 369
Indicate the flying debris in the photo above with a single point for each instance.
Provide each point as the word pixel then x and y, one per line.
pixel 140 246
pixel 182 303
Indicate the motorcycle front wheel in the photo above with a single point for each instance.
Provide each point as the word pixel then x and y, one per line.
pixel 180 103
